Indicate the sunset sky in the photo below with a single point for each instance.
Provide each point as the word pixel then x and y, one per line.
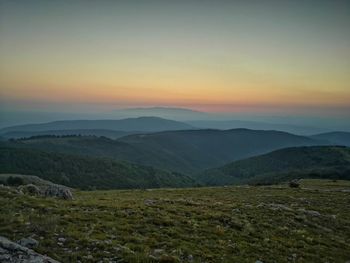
pixel 226 56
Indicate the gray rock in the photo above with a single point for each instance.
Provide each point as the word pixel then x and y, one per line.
pixel 149 202
pixel 279 207
pixel 313 213
pixel 16 253
pixel 58 191
pixel 30 189
pixel 310 212
pixel 158 251
pixel 61 239
pixel 28 242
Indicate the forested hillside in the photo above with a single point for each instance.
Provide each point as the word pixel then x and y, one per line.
pixel 283 165
pixel 187 151
pixel 87 172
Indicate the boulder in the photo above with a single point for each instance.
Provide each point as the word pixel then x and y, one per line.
pixel 28 242
pixel 294 183
pixel 58 191
pixel 16 253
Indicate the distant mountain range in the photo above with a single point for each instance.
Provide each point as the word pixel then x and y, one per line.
pixel 254 125
pixel 200 119
pixel 141 124
pixel 179 114
pixel 87 172
pixel 332 162
pixel 121 127
pixel 187 151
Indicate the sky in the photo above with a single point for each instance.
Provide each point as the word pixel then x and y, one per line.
pixel 258 57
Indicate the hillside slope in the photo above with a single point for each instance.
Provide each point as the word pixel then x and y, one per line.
pixel 200 149
pixel 112 134
pixel 338 138
pixel 144 124
pixel 254 125
pixel 216 224
pixel 183 151
pixel 285 164
pixel 87 172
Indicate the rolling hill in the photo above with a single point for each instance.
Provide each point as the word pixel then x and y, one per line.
pixel 338 138
pixel 254 125
pixel 298 162
pixel 200 149
pixel 142 124
pixel 182 151
pixel 87 172
pixel 87 132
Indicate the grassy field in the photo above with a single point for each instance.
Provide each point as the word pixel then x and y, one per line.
pixel 223 224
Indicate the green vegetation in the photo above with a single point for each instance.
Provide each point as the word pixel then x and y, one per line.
pixel 186 152
pixel 227 224
pixel 282 165
pixel 87 132
pixel 87 172
pixel 14 181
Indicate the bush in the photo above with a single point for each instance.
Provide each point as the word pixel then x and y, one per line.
pixel 14 181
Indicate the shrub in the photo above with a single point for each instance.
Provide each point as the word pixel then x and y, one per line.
pixel 14 181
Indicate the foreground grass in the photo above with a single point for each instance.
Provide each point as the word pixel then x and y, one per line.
pixel 224 224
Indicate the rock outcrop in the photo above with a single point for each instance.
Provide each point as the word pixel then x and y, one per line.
pixel 59 191
pixel 28 242
pixel 29 189
pixel 12 252
pixel 53 190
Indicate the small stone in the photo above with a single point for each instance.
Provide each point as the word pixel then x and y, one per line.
pixel 310 212
pixel 158 251
pixel 149 202
pixel 61 239
pixel 313 213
